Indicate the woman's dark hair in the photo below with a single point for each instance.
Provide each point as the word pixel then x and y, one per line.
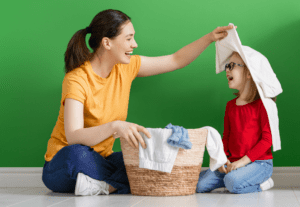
pixel 105 24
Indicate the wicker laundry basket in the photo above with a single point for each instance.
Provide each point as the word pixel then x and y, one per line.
pixel 181 181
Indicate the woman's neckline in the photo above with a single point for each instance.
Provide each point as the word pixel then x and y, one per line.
pixel 98 76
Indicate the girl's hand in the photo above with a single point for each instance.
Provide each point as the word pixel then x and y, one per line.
pixel 220 33
pixel 238 164
pixel 130 132
pixel 235 165
pixel 222 169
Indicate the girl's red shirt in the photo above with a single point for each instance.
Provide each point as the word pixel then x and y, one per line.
pixel 247 131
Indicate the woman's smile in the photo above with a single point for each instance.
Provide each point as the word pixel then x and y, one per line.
pixel 128 54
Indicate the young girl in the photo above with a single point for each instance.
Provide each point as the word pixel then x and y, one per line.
pixel 94 104
pixel 247 138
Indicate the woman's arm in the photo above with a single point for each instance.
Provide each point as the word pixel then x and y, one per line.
pixel 77 134
pixel 183 57
pixel 74 126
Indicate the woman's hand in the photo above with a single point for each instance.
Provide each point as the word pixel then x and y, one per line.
pixel 220 33
pixel 130 132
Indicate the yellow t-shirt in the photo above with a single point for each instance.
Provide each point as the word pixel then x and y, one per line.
pixel 104 100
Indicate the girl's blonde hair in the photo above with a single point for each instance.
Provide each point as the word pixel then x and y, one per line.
pixel 253 94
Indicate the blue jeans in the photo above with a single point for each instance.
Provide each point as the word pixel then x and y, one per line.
pixel 246 179
pixel 60 174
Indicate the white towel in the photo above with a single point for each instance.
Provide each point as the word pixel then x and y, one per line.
pixel 214 146
pixel 158 155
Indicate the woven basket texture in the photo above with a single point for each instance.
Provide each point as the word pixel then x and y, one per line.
pixel 181 181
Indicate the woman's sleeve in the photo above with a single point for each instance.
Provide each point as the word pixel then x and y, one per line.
pixel 266 141
pixel 134 66
pixel 73 87
pixel 226 132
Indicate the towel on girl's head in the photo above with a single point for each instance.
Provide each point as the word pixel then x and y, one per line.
pixel 179 138
pixel 158 155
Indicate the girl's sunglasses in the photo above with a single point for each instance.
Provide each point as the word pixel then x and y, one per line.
pixel 231 65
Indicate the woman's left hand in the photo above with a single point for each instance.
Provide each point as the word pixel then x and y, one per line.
pixel 220 33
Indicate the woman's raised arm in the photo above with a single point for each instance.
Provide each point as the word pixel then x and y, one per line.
pixel 183 57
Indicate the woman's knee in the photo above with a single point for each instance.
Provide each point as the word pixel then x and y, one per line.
pixel 74 157
pixel 76 152
pixel 58 180
pixel 77 147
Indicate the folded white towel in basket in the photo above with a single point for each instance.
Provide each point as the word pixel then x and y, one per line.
pixel 158 155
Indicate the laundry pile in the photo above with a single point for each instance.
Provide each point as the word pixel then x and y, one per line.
pixel 162 148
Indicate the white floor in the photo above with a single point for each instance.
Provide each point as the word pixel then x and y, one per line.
pixel 40 197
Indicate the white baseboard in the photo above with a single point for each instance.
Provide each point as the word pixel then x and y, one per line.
pixel 32 177
pixel 21 177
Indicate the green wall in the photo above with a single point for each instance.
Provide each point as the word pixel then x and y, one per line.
pixel 35 34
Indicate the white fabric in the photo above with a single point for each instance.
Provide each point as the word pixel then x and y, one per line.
pixel 265 79
pixel 158 155
pixel 214 146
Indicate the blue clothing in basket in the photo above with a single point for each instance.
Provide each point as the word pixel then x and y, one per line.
pixel 179 138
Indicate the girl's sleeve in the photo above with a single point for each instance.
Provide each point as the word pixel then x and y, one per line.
pixel 266 141
pixel 226 132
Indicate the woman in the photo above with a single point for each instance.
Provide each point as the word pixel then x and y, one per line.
pixel 95 95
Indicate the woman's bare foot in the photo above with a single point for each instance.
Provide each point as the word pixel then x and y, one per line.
pixel 111 189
